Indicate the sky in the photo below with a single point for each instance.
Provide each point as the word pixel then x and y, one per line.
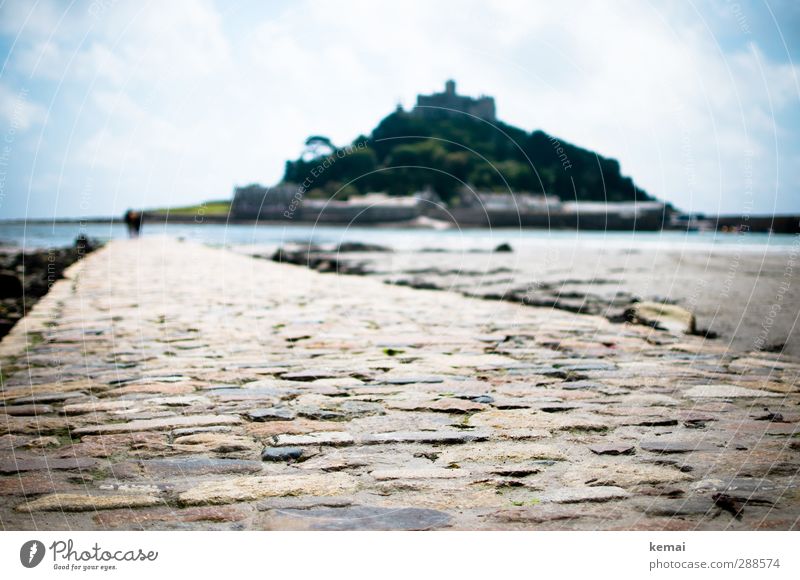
pixel 106 105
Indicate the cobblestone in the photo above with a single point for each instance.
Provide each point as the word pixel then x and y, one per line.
pixel 176 386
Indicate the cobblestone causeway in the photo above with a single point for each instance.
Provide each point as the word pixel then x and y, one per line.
pixel 168 385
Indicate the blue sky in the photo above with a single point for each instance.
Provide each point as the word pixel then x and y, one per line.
pixel 110 104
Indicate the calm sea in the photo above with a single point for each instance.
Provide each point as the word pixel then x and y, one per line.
pixel 37 236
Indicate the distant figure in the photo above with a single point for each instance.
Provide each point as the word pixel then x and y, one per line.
pixel 133 219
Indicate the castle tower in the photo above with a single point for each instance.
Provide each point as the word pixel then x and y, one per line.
pixel 449 102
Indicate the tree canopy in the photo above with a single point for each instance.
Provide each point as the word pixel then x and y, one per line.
pixel 407 153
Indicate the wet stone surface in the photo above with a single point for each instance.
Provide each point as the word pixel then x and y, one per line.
pixel 273 414
pixel 612 449
pixel 283 453
pixel 358 518
pixel 257 395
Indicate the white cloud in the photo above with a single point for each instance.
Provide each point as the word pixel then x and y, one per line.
pixel 198 96
pixel 18 112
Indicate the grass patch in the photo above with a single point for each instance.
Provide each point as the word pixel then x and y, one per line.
pixel 64 436
pixel 8 368
pixel 392 351
pixel 529 502
pixel 208 208
pixel 99 473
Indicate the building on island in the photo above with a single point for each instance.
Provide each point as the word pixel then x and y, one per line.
pixel 287 201
pixel 258 202
pixel 523 201
pixel 450 103
pixel 363 209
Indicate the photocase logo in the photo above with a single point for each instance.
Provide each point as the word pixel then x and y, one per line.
pixel 31 553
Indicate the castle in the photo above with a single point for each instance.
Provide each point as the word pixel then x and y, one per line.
pixel 449 103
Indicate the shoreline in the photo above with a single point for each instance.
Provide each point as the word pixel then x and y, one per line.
pixel 777 224
pixel 584 273
pixel 27 277
pixel 731 298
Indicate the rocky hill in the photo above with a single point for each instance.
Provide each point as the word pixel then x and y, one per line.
pixel 408 152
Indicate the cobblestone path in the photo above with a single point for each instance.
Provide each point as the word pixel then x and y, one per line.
pixel 167 385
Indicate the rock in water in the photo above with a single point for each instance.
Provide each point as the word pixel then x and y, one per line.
pixel 669 317
pixel 504 247
pixel 360 247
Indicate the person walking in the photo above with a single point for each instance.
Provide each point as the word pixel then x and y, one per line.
pixel 133 219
